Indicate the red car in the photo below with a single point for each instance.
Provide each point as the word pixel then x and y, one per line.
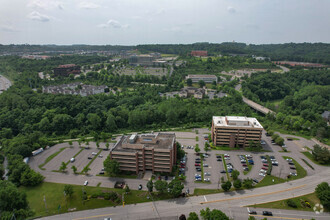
pixel 197 164
pixel 183 166
pixel 265 165
pixel 264 168
pixel 244 165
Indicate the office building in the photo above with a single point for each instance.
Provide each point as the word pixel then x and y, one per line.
pixel 146 152
pixel 235 131
pixel 205 78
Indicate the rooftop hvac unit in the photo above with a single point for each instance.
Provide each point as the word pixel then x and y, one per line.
pixel 132 139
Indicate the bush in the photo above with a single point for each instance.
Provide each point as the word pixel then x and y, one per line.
pixel 291 203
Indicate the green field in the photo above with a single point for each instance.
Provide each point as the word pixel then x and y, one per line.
pixel 300 201
pixel 198 191
pixel 301 172
pixel 54 196
pixel 268 180
pixel 310 156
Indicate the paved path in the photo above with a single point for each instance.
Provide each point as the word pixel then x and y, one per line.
pixel 4 83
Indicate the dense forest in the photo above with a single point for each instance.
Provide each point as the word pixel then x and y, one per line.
pixel 302 96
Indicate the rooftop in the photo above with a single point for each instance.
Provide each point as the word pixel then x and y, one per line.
pixel 134 142
pixel 203 76
pixel 236 121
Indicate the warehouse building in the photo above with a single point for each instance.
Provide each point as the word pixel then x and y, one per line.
pixel 235 131
pixel 146 152
pixel 205 78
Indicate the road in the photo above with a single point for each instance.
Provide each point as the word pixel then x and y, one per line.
pixel 253 104
pixel 231 203
pixel 4 83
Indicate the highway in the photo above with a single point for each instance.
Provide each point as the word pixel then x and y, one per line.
pixel 231 203
pixel 4 83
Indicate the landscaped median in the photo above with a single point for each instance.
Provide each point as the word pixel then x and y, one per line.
pixel 301 172
pixel 75 156
pixel 225 166
pixel 302 203
pixel 48 159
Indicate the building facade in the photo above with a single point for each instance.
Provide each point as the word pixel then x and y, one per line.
pixel 146 152
pixel 235 131
pixel 199 53
pixel 66 70
pixel 205 78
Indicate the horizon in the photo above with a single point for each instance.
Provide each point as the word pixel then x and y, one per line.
pixel 128 22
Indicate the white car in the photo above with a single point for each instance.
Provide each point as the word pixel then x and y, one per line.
pixel 86 183
pixel 207 179
pixel 262 174
pixel 263 171
pixel 207 174
pixel 93 153
pixel 293 174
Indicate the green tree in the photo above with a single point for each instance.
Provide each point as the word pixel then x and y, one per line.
pixel 86 169
pixel 74 169
pixel 235 174
pixel 197 149
pixel 189 82
pixel 175 187
pixel 127 189
pixel 31 178
pixel 251 218
pixel 226 186
pixel 161 186
pixel 237 184
pixel 70 143
pixel 321 154
pixel 248 183
pixel 201 83
pixel 107 145
pixel 323 193
pixel 207 214
pixel 150 185
pixel 11 198
pixel 111 166
pixel 63 166
pixel 68 190
pixel 193 216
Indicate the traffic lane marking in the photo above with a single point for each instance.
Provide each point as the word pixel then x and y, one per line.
pixel 251 196
pixel 95 216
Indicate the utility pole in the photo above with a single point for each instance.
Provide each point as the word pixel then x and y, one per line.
pixel 45 203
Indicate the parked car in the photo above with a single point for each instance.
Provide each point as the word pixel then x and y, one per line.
pixel 197 164
pixel 207 174
pixel 72 160
pixel 252 212
pixel 140 187
pixel 219 159
pixel 218 156
pixel 267 213
pixel 263 171
pixel 93 153
pixel 86 183
pixel 230 170
pixel 265 164
pixel 89 158
pixel 290 163
pixel 205 165
pixel 289 160
pixel 293 174
pixel 292 168
pixel 101 172
pixel 264 168
pixel 100 156
pixel 262 174
pixel 207 179
pixel 255 180
pixel 198 169
pixel 246 169
pixel 223 171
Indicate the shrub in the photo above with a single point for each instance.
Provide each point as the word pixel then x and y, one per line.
pixel 291 203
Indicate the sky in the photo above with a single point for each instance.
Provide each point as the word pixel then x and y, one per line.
pixel 132 22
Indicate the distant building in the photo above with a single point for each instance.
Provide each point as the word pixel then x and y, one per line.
pixel 205 78
pixel 75 89
pixel 235 131
pixel 146 152
pixel 66 70
pixel 197 93
pixel 291 63
pixel 199 53
pixel 152 59
pixel 36 57
pixel 326 116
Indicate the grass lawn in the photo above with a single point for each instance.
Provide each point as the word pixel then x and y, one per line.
pixel 268 180
pixel 300 201
pixel 206 191
pixel 51 157
pixel 301 172
pixel 53 193
pixel 310 156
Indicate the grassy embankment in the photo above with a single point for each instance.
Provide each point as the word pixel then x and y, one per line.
pixel 310 156
pixel 301 172
pixel 53 193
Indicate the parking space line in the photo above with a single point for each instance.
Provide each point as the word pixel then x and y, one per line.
pixel 250 196
pixel 205 199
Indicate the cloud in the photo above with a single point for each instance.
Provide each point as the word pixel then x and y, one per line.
pixel 173 29
pixel 8 28
pixel 231 10
pixel 88 5
pixel 113 24
pixel 45 4
pixel 38 16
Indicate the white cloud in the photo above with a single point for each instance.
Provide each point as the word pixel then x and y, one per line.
pixel 88 5
pixel 114 24
pixel 231 10
pixel 38 16
pixel 45 4
pixel 8 28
